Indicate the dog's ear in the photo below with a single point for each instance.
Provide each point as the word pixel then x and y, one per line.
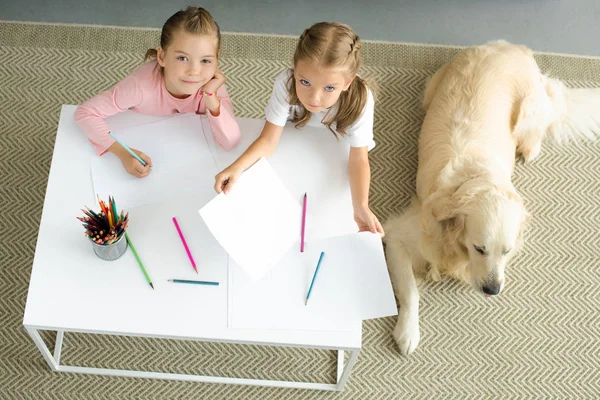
pixel 442 226
pixel 525 216
pixel 450 203
pixel 444 206
pixel 443 218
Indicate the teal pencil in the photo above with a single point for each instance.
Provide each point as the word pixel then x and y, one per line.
pixel 128 149
pixel 137 257
pixel 114 210
pixel 314 277
pixel 194 282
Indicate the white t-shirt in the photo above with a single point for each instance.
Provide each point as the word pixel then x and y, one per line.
pixel 279 110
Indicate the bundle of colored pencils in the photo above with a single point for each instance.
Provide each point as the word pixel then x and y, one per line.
pixel 107 226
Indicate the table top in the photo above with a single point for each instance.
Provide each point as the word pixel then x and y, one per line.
pixel 72 289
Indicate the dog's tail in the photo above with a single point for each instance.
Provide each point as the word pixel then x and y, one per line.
pixel 576 112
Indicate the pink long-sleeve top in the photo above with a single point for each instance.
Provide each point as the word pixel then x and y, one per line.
pixel 144 91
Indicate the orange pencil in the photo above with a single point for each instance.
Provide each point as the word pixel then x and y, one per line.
pixel 101 204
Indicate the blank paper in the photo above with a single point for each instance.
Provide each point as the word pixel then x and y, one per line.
pixel 352 284
pixel 257 221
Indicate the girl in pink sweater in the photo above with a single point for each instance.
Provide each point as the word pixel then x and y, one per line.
pixel 182 77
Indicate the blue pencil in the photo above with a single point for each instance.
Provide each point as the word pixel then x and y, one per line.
pixel 314 277
pixel 194 282
pixel 128 149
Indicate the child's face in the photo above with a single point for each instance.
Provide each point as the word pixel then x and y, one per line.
pixel 189 62
pixel 319 88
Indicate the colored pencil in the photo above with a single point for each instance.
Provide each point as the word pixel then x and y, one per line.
pixel 106 226
pixel 137 257
pixel 314 277
pixel 128 149
pixel 194 282
pixel 303 223
pixel 91 215
pixel 115 213
pixel 96 219
pixel 111 213
pixel 102 206
pixel 187 249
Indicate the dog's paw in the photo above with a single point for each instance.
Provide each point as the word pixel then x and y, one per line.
pixel 406 331
pixel 531 154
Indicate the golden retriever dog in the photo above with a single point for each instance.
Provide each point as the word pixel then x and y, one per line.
pixel 487 105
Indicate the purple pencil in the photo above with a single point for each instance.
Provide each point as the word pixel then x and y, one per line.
pixel 303 224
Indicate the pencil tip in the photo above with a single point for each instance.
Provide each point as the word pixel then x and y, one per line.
pixel 304 194
pixel 306 302
pixel 152 286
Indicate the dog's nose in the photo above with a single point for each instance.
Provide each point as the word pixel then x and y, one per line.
pixel 492 289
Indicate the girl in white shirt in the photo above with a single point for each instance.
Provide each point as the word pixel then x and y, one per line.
pixel 323 88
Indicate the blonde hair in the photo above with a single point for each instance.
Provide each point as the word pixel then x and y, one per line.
pixel 332 44
pixel 194 20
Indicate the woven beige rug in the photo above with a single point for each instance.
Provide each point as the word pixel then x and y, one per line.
pixel 539 339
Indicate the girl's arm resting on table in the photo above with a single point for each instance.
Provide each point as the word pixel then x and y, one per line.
pixel 359 173
pixel 91 114
pixel 222 120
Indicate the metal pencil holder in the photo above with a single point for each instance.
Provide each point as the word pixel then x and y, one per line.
pixel 110 252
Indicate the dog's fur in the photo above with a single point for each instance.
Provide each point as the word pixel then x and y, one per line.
pixel 488 104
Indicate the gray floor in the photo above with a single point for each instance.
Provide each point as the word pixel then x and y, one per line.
pixel 545 25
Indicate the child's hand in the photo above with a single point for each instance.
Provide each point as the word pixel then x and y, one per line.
pixel 215 83
pixel 212 102
pixel 226 178
pixel 367 221
pixel 134 167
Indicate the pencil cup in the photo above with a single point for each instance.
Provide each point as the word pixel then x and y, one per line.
pixel 110 252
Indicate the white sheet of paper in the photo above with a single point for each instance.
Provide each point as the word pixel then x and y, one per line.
pixel 308 160
pixel 157 241
pixel 352 284
pixel 178 150
pixel 257 221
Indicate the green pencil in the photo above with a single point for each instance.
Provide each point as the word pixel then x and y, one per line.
pixel 137 257
pixel 114 210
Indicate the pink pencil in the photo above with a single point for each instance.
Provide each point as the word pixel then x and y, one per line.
pixel 303 223
pixel 185 244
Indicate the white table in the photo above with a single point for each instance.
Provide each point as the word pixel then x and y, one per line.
pixel 71 290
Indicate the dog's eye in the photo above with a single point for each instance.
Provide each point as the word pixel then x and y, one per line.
pixel 505 252
pixel 479 250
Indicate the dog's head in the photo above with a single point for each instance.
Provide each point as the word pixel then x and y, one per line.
pixel 479 222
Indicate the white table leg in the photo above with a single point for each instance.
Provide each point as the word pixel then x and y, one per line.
pixel 340 365
pixel 39 342
pixel 197 378
pixel 344 371
pixel 58 346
